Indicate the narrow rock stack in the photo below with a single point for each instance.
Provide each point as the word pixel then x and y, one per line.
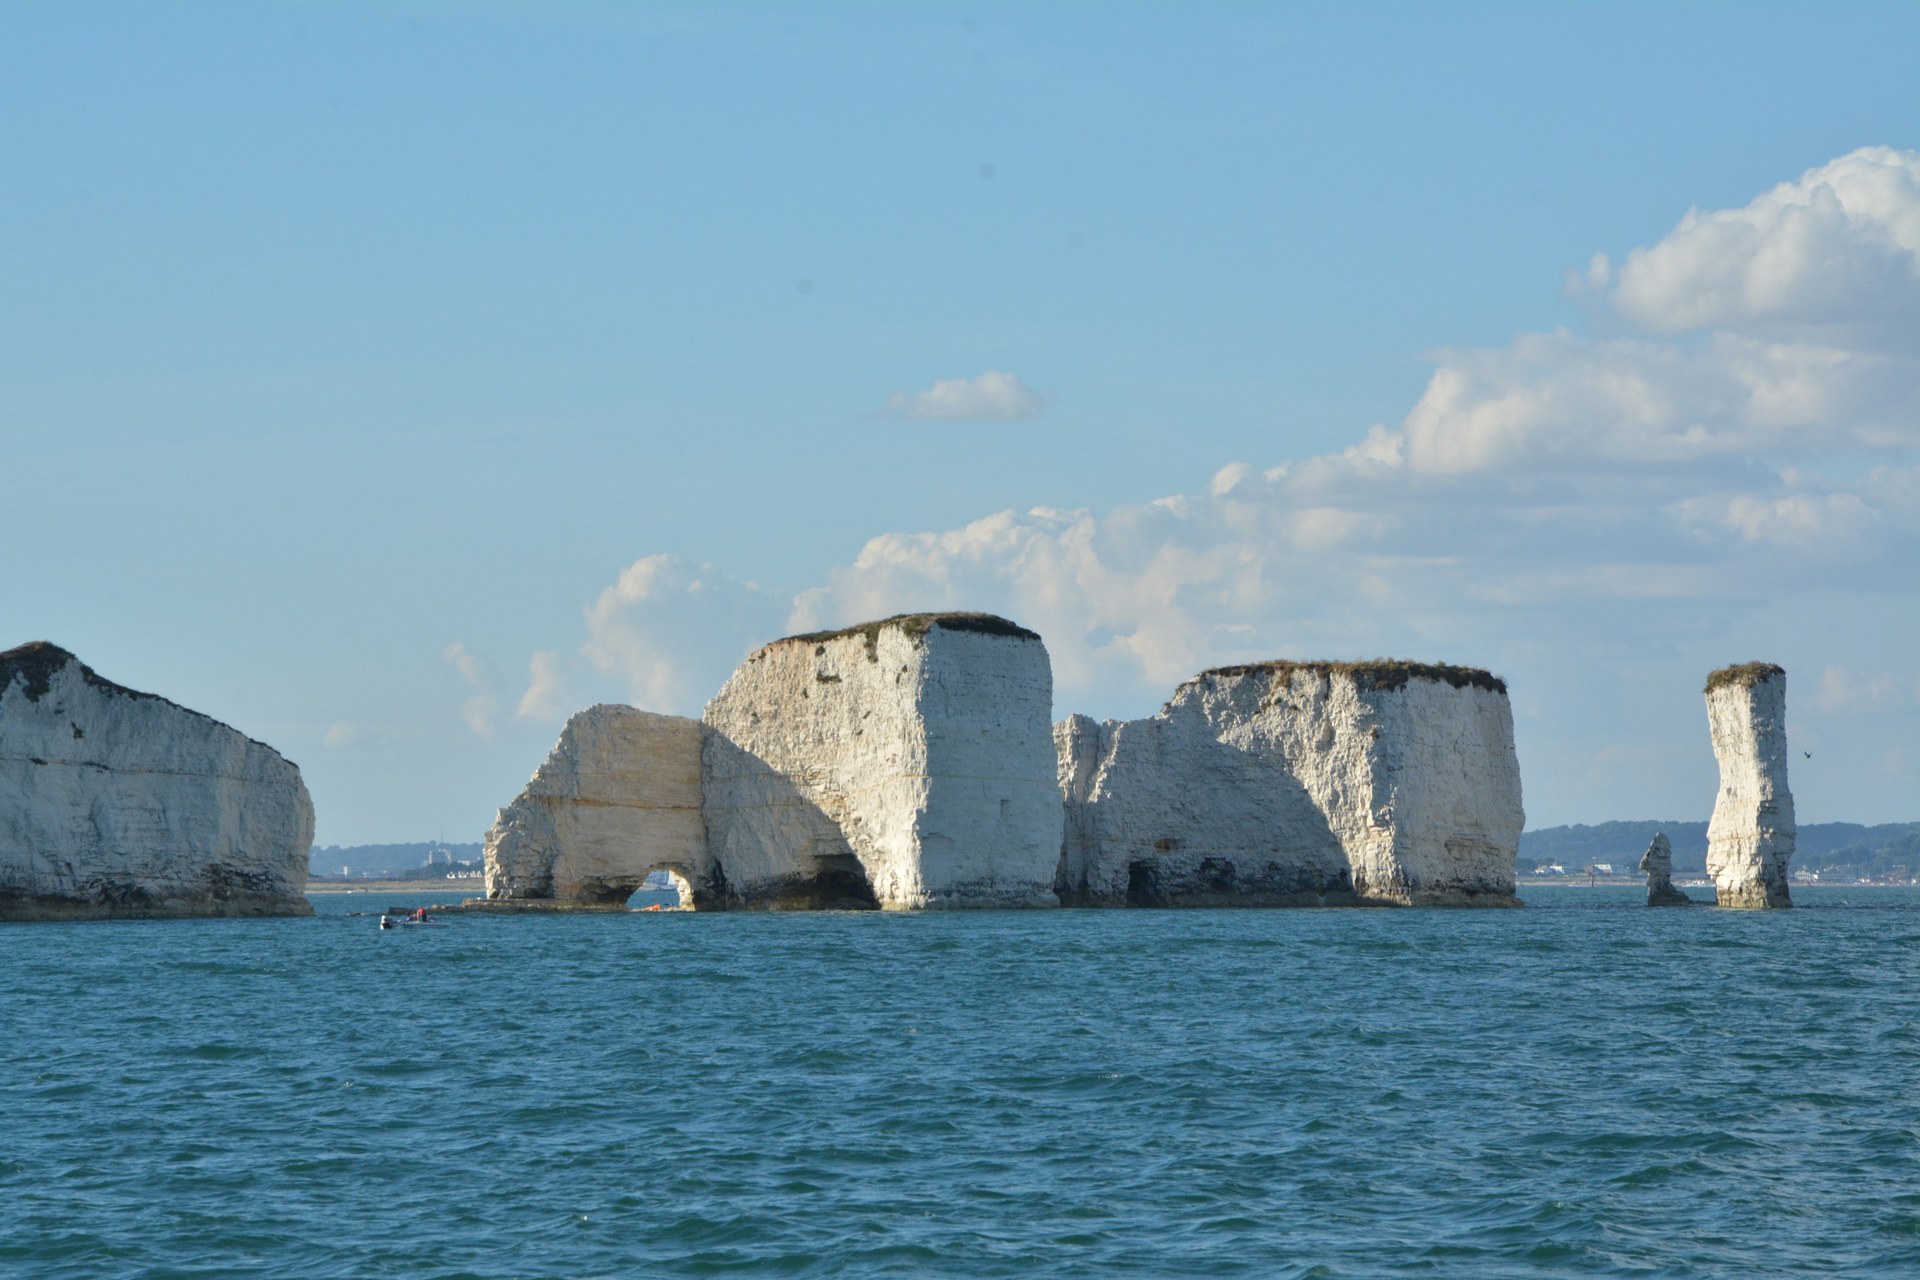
pixel 115 803
pixel 1298 784
pixel 1750 839
pixel 1657 862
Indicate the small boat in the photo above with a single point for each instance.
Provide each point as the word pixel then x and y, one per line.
pixel 409 920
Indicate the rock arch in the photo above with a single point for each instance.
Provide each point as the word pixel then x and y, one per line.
pixel 617 798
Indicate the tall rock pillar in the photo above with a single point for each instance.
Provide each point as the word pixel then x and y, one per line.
pixel 1750 839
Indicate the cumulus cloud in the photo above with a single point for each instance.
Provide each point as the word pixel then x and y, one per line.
pixel 1801 312
pixel 671 630
pixel 1835 250
pixel 1562 401
pixel 546 695
pixel 991 397
pixel 481 708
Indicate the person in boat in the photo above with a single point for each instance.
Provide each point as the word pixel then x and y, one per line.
pixel 420 914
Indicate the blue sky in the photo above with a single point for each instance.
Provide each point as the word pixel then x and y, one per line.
pixel 389 381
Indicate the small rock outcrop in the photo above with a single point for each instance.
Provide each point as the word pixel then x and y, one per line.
pixel 905 763
pixel 1657 862
pixel 120 804
pixel 1750 839
pixel 617 798
pixel 1297 784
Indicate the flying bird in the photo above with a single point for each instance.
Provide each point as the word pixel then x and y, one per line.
pixel 1807 754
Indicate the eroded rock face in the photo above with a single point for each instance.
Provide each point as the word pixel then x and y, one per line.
pixel 1750 839
pixel 617 798
pixel 1657 862
pixel 1296 784
pixel 906 763
pixel 115 803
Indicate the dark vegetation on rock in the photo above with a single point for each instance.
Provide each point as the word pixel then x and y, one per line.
pixel 1745 675
pixel 35 662
pixel 915 625
pixel 1375 674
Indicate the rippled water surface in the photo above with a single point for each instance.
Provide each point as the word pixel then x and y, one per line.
pixel 1584 1087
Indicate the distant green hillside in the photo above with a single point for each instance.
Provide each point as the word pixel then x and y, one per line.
pixel 1891 849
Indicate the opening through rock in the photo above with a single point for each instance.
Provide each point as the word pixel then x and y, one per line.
pixel 664 887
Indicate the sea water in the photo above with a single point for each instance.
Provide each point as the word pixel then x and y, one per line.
pixel 1580 1088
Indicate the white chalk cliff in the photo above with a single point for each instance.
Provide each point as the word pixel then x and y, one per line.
pixel 1750 839
pixel 618 797
pixel 1291 784
pixel 906 763
pixel 115 803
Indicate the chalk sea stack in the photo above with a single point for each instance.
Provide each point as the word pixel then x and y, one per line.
pixel 1657 862
pixel 1298 784
pixel 909 759
pixel 1750 839
pixel 121 804
pixel 901 764
pixel 618 797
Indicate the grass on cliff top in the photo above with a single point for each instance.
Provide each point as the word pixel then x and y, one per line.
pixel 1374 674
pixel 915 625
pixel 1744 675
pixel 36 661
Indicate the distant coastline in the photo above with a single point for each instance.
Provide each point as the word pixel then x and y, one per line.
pixel 1835 852
pixel 334 884
pixel 1829 853
pixel 476 888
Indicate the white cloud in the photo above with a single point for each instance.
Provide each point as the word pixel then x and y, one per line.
pixel 1837 249
pixel 546 695
pixel 481 707
pixel 342 733
pixel 1803 315
pixel 991 397
pixel 671 630
pixel 1786 518
pixel 1844 692
pixel 1558 401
